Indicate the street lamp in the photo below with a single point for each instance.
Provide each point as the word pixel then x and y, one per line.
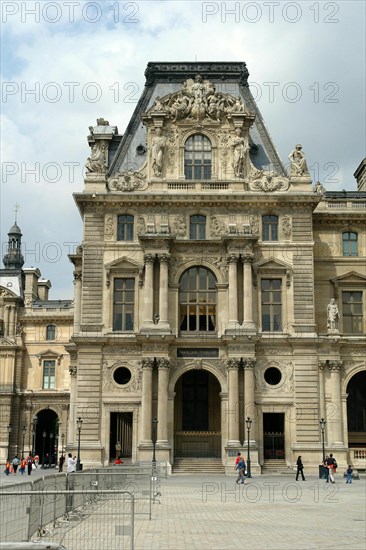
pixel 44 435
pixel 50 453
pixel 248 423
pixel 24 431
pixel 10 429
pixel 154 438
pixel 322 427
pixel 34 431
pixel 62 443
pixel 79 424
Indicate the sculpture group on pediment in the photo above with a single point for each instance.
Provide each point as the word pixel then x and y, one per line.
pixel 198 100
pixel 298 166
pixel 98 160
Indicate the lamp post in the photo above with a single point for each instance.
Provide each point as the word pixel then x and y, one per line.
pixel 24 431
pixel 249 424
pixel 322 427
pixel 34 432
pixel 79 424
pixel 50 452
pixel 10 429
pixel 62 443
pixel 44 435
pixel 154 438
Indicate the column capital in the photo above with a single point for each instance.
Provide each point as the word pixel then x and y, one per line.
pixel 163 363
pixel 164 258
pixel 77 276
pixel 247 258
pixel 249 363
pixel 233 364
pixel 232 258
pixel 147 363
pixel 73 370
pixel 149 258
pixel 335 365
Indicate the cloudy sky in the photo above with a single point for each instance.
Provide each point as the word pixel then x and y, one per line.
pixel 65 63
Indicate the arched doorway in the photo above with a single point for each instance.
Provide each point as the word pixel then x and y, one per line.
pixel 46 443
pixel 356 410
pixel 197 415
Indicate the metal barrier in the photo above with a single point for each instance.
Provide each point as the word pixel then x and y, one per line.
pixel 104 519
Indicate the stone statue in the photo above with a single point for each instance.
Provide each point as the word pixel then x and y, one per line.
pixel 97 162
pixel 298 165
pixel 319 188
pixel 157 152
pixel 332 316
pixel 240 149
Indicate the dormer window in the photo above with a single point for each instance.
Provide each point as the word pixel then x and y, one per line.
pixel 198 158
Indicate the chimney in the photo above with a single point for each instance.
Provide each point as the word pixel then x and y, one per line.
pixel 31 282
pixel 44 286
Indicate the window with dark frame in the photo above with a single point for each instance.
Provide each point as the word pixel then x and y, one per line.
pixel 197 300
pixel 49 371
pixel 270 228
pixel 51 332
pixel 352 314
pixel 271 299
pixel 197 227
pixel 198 158
pixel 125 224
pixel 123 304
pixel 349 240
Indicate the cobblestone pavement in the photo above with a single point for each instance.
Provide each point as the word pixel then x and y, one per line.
pixel 267 512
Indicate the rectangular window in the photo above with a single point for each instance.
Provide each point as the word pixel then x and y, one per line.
pixel 125 228
pixel 352 312
pixel 49 368
pixel 271 296
pixel 123 304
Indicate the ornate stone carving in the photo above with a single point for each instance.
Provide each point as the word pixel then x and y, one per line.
pixel 332 317
pixel 73 370
pixel 298 165
pixel 319 189
pixel 141 226
pixel 287 380
pixel 98 160
pixel 249 363
pixel 130 180
pixel 5 293
pixel 172 143
pixel 240 152
pixel 223 136
pixel 19 329
pixel 217 229
pixel 233 363
pixel 133 386
pixel 147 363
pixel 254 224
pixel 180 226
pixel 158 152
pixel 334 365
pixel 286 226
pixel 268 181
pixel 109 225
pixel 163 363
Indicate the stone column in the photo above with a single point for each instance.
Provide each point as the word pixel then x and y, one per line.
pixel 321 366
pixel 335 414
pixel 233 403
pixel 77 301
pixel 163 292
pixel 233 292
pixel 11 330
pixel 7 321
pixel 249 403
pixel 149 291
pixel 146 401
pixel 163 380
pixel 248 323
pixel 71 437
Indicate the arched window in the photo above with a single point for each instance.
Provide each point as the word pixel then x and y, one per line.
pixel 197 228
pixel 197 158
pixel 349 243
pixel 125 228
pixel 197 300
pixel 270 228
pixel 51 332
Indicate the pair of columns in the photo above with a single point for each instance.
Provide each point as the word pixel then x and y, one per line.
pixel 163 366
pixel 148 314
pixel 233 322
pixel 233 399
pixel 9 321
pixel 330 400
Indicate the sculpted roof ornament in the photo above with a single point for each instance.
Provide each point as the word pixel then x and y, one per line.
pixel 130 180
pixel 198 100
pixel 268 181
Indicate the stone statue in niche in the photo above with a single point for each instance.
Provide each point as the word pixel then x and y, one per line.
pixel 298 165
pixel 239 149
pixel 332 317
pixel 157 152
pixel 97 162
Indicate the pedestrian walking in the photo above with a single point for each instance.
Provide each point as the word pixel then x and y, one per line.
pixel 240 467
pixel 349 473
pixel 36 460
pixel 326 469
pixel 300 469
pixel 7 467
pixel 23 464
pixel 30 463
pixel 15 463
pixel 70 463
pixel 61 463
pixel 332 465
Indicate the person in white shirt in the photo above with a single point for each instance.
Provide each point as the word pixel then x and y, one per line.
pixel 71 462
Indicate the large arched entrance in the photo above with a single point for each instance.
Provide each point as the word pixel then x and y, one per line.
pixel 356 410
pixel 46 441
pixel 197 416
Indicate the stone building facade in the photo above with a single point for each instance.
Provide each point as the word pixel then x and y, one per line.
pixel 213 285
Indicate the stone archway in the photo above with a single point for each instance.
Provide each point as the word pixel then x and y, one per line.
pixel 46 441
pixel 356 410
pixel 197 415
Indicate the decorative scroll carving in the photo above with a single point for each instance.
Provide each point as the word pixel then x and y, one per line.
pixel 254 224
pixel 109 225
pixel 287 380
pixel 286 226
pixel 130 180
pixel 180 226
pixel 133 386
pixel 163 363
pixel 268 181
pixel 249 363
pixel 147 363
pixel 233 364
pixel 217 229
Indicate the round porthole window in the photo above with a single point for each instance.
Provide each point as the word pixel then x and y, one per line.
pixel 273 376
pixel 122 376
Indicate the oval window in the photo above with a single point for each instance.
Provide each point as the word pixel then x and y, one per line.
pixel 122 376
pixel 273 376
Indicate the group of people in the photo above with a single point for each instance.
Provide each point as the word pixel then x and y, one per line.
pixel 23 464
